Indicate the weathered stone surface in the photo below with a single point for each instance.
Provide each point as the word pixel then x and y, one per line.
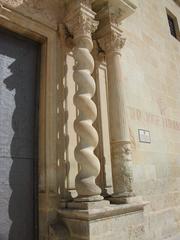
pixel 48 12
pixel 117 221
pixel 88 205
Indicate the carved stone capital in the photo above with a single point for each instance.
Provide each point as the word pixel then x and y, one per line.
pixel 112 41
pixel 80 19
pixel 109 33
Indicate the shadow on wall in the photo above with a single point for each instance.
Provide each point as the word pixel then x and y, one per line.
pixel 18 136
pixel 59 231
pixel 64 161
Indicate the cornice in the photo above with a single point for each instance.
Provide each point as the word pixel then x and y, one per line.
pixel 119 8
pixel 110 13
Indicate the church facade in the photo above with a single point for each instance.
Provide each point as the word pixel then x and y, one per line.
pixel 89 119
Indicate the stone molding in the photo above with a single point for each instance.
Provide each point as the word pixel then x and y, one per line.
pixel 102 212
pixel 118 9
pixel 101 221
pixel 46 12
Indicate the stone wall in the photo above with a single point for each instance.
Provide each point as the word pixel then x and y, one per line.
pixel 150 60
pixel 44 11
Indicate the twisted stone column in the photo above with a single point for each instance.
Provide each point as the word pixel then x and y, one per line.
pixel 81 24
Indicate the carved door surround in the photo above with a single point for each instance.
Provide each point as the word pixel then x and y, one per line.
pixel 47 37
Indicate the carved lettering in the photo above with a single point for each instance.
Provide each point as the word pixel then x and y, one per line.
pixel 140 115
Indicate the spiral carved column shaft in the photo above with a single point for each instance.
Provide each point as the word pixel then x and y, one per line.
pixel 81 26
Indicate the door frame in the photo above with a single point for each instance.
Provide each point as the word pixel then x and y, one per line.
pixel 16 22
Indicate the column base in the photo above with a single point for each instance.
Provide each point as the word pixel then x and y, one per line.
pixel 89 199
pixel 101 220
pixel 88 205
pixel 125 200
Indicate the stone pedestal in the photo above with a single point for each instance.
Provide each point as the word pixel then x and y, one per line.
pixel 126 200
pixel 97 221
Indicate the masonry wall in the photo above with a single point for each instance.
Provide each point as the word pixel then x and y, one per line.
pixel 151 67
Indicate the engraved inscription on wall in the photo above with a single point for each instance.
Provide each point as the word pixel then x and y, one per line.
pixel 156 120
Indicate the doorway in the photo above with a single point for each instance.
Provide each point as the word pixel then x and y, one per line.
pixel 19 108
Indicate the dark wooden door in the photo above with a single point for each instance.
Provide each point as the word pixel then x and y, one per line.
pixel 19 75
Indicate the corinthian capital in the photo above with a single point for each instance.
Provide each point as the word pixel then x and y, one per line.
pixel 80 18
pixel 112 40
pixel 110 13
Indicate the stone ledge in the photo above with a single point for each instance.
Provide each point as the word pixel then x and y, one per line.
pixel 125 200
pixel 101 213
pixel 88 205
pixel 123 8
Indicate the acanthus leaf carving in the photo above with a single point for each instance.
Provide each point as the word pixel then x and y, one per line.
pixel 113 41
pixel 87 25
pixel 81 24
